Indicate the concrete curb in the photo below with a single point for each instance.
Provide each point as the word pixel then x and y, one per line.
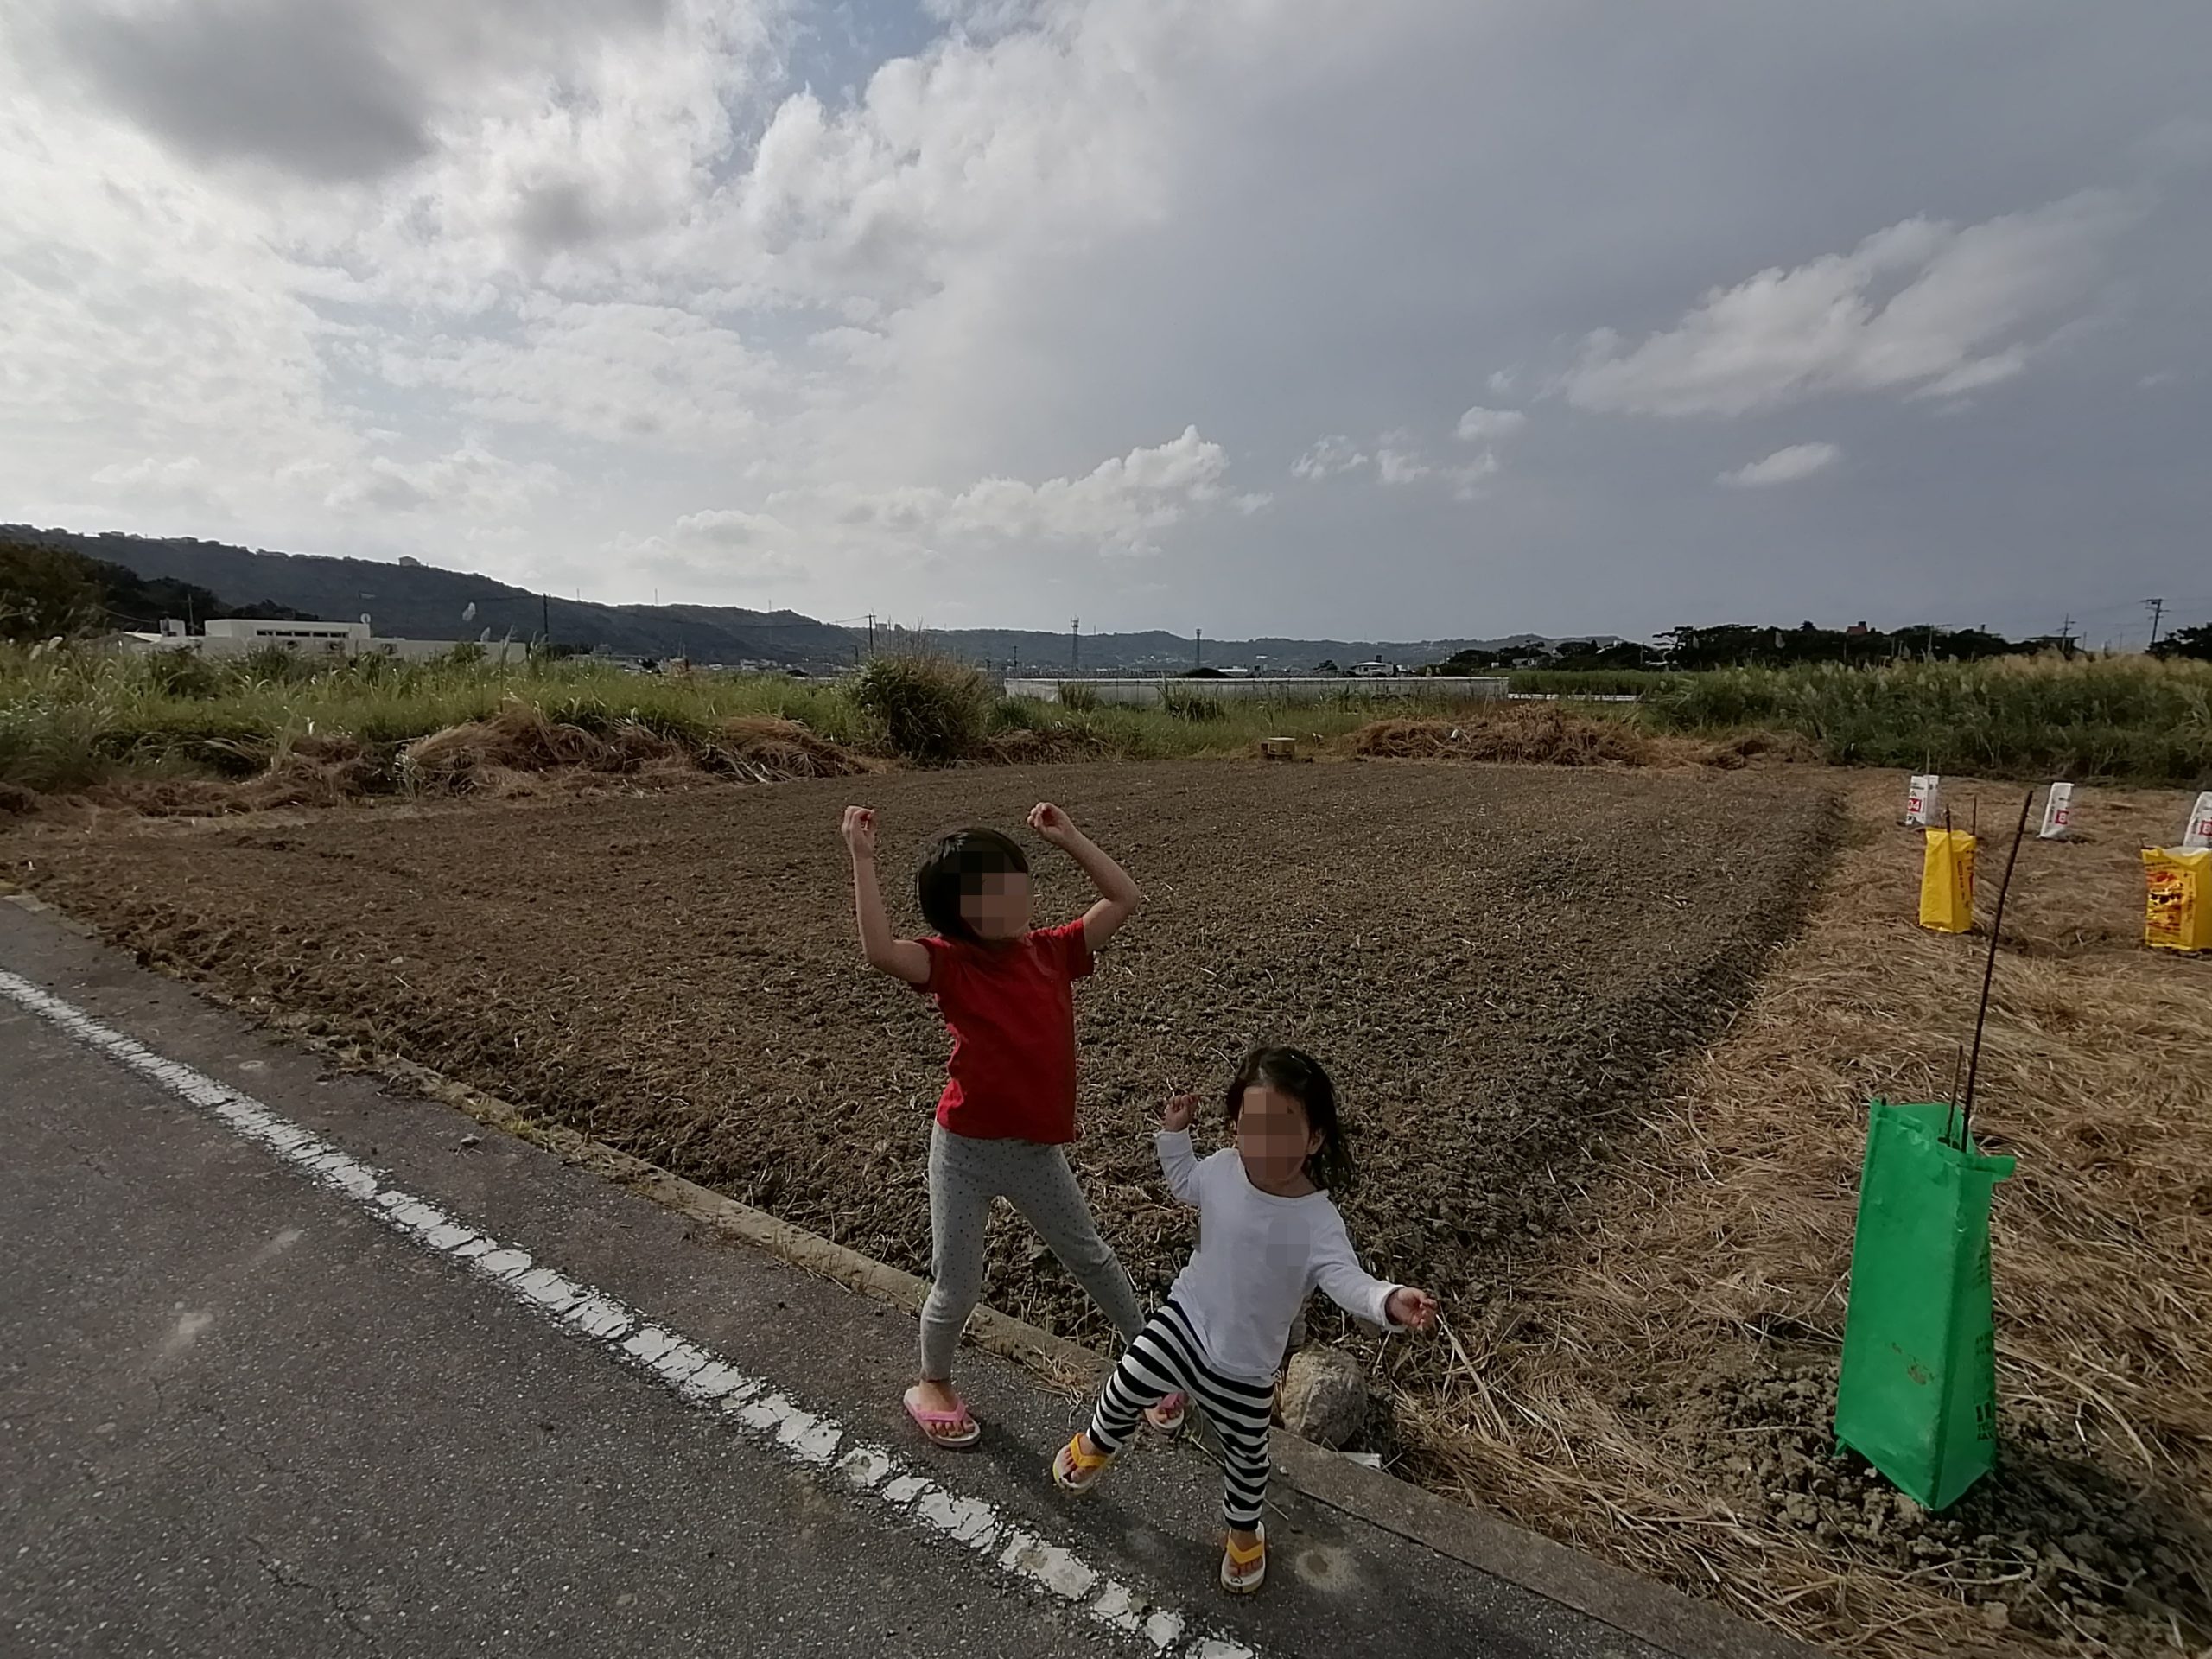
pixel 1637 1606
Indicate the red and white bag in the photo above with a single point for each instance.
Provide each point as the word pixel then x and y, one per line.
pixel 2057 813
pixel 1924 802
pixel 2199 833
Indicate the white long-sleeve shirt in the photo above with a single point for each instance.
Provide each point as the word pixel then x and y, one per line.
pixel 1259 1257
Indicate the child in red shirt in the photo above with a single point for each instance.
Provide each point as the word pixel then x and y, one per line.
pixel 1007 992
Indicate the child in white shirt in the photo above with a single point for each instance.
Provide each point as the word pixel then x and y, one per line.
pixel 1267 1236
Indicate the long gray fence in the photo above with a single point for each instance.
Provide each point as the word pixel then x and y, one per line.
pixel 1152 692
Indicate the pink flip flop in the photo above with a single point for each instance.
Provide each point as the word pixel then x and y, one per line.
pixel 950 1429
pixel 1166 1417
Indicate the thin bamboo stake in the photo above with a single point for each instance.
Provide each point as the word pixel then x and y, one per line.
pixel 1989 970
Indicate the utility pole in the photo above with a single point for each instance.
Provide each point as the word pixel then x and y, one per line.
pixel 1075 645
pixel 871 635
pixel 545 605
pixel 2158 609
pixel 2066 637
pixel 1198 651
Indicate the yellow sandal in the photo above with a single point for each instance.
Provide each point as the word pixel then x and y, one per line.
pixel 1242 1571
pixel 1076 1468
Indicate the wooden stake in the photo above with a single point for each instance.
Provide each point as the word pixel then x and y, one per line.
pixel 1989 971
pixel 1958 1063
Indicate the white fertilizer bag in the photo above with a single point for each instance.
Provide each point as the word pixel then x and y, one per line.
pixel 2199 833
pixel 2058 812
pixel 1924 802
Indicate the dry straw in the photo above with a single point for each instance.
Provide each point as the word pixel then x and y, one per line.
pixel 1602 1397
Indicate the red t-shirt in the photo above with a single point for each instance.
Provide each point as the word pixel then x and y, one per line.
pixel 1011 1010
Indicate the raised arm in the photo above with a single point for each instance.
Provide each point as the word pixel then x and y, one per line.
pixel 907 959
pixel 1177 1161
pixel 1118 897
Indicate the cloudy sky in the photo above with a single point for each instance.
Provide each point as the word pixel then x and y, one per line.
pixel 1344 317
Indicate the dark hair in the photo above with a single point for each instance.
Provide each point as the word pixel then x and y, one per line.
pixel 1294 1072
pixel 955 864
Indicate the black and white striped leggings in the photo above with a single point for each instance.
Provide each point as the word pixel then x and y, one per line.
pixel 1164 1358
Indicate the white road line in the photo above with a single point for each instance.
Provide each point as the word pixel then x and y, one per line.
pixel 697 1375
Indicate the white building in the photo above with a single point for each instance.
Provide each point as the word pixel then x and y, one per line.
pixel 235 636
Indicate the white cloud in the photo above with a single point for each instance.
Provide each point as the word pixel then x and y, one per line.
pixel 1118 507
pixel 1993 369
pixel 1399 461
pixel 641 257
pixel 611 371
pixel 1480 425
pixel 1958 302
pixel 1328 457
pixel 1467 481
pixel 694 575
pixel 1784 466
pixel 1395 467
pixel 176 477
pixel 470 481
pixel 731 527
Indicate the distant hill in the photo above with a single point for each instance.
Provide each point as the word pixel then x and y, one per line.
pixel 46 590
pixel 410 600
pixel 419 601
pixel 1032 651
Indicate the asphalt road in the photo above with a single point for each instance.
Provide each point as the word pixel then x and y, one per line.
pixel 244 1414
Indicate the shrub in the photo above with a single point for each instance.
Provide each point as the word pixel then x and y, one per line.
pixel 272 665
pixel 1078 698
pixel 50 742
pixel 930 710
pixel 182 673
pixel 1019 714
pixel 1587 682
pixel 1184 703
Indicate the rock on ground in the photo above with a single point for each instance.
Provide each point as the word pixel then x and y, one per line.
pixel 1323 1396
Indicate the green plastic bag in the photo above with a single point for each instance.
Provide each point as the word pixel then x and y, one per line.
pixel 1918 1395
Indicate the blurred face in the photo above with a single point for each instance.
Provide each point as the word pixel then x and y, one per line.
pixel 996 905
pixel 1274 1139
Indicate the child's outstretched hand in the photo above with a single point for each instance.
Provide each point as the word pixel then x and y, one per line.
pixel 1415 1309
pixel 1176 1115
pixel 1054 826
pixel 860 832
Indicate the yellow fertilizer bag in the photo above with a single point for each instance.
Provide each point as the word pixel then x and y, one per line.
pixel 1947 882
pixel 2177 908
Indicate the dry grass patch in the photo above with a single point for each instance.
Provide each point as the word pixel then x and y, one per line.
pixel 1657 1384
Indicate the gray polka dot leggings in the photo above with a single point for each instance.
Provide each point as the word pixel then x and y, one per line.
pixel 965 1175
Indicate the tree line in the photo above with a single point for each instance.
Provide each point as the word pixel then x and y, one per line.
pixel 1735 645
pixel 48 593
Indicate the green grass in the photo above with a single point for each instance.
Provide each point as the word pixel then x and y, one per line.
pixel 1585 683
pixel 2121 718
pixel 71 718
